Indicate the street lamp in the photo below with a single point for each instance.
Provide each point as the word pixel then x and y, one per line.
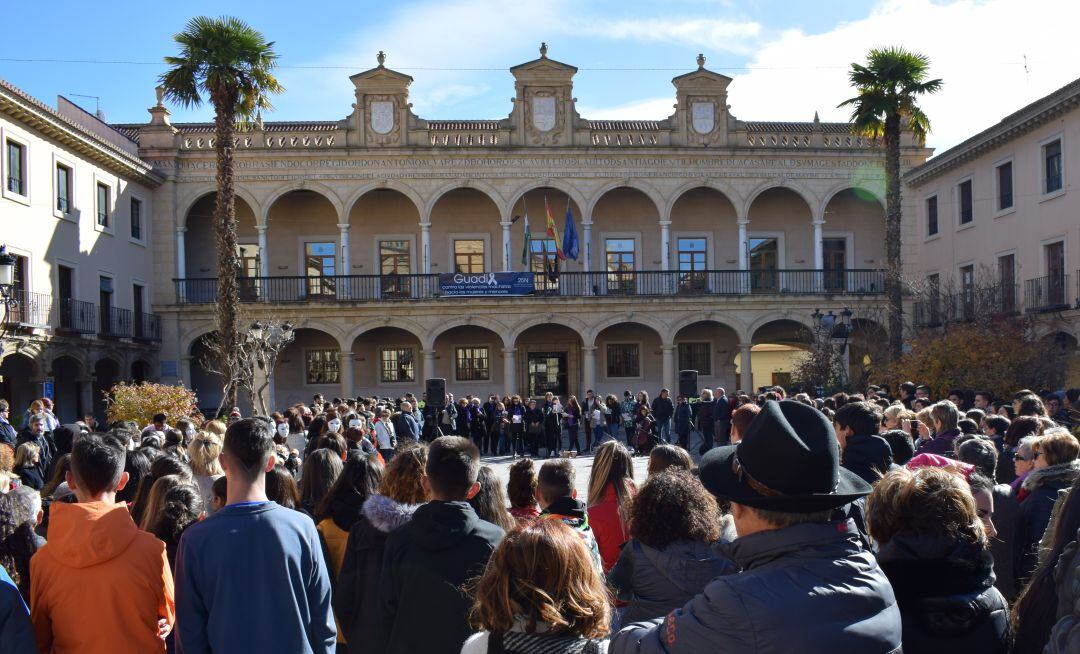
pixel 266 341
pixel 7 284
pixel 838 330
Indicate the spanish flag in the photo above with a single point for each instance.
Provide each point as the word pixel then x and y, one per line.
pixel 552 232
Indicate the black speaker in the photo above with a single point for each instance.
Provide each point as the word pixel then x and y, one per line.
pixel 435 393
pixel 688 383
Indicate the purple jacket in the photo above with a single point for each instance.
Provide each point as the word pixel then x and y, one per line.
pixel 940 444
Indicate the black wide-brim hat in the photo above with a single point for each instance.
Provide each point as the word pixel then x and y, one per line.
pixel 788 461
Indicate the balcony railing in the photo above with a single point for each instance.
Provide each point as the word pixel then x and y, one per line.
pixel 147 327
pixel 966 306
pixel 31 309
pixel 1050 293
pixel 370 288
pixel 75 316
pixel 116 322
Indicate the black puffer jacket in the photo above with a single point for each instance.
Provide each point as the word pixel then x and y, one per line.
pixel 809 588
pixel 946 594
pixel 428 560
pixel 1042 486
pixel 356 595
pixel 1065 636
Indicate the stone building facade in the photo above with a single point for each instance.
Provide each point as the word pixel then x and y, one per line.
pixel 702 236
pixel 75 211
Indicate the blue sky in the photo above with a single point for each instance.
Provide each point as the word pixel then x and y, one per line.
pixel 788 59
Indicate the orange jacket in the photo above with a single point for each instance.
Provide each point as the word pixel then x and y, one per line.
pixel 100 584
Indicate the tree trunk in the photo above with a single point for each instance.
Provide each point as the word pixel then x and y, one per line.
pixel 228 262
pixel 894 273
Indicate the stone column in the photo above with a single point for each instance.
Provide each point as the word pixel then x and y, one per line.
pixel 506 246
pixel 744 256
pixel 181 264
pixel 588 365
pixel 586 230
pixel 185 370
pixel 346 267
pixel 665 245
pixel 745 367
pixel 264 254
pixel 819 256
pixel 429 365
pixel 345 370
pixel 425 247
pixel 667 356
pixel 510 380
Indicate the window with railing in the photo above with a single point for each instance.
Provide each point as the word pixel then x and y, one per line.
pixel 619 254
pixel 695 356
pixel 544 263
pixel 967 292
pixel 1052 169
pixel 395 261
pixel 623 360
pixel 16 167
pixel 103 205
pixel 933 286
pixel 472 363
pixel 966 207
pixel 690 254
pixel 468 255
pixel 321 267
pixel 1005 186
pixel 1007 283
pixel 63 188
pixel 397 364
pixel 321 367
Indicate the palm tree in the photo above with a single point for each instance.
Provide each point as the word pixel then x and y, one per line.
pixel 229 62
pixel 888 87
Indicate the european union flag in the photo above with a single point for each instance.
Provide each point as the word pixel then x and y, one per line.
pixel 570 239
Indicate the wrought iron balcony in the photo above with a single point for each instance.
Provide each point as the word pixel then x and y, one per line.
pixel 372 288
pixel 1050 293
pixel 147 327
pixel 116 322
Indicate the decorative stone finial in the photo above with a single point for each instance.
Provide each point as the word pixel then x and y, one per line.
pixel 258 119
pixel 159 91
pixel 543 50
pixel 700 61
pixel 381 58
pixel 816 119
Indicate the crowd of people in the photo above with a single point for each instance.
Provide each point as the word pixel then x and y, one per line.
pixel 854 522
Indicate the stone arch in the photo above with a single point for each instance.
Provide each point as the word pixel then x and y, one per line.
pixel 661 329
pixel 729 193
pixel 329 328
pixel 727 320
pixel 300 185
pixel 404 324
pixel 140 367
pixel 193 198
pixel 875 193
pixel 764 320
pixel 192 336
pixel 475 184
pixel 428 341
pixel 387 184
pixel 68 353
pixel 636 184
pixel 557 184
pixel 804 193
pixel 566 320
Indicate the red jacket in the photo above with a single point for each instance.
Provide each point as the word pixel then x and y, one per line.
pixel 608 526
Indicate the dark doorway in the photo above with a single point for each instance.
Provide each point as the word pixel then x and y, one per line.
pixel 547 373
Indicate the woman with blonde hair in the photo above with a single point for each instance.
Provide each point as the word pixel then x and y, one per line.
pixel 27 465
pixel 1054 467
pixel 540 593
pixel 611 491
pixel 934 550
pixel 204 452
pixel 214 427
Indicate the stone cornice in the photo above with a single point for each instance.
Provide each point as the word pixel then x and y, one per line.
pixel 37 115
pixel 1013 126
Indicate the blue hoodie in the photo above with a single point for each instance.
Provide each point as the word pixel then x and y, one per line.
pixel 16 632
pixel 252 578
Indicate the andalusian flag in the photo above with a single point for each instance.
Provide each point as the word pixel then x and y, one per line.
pixel 553 233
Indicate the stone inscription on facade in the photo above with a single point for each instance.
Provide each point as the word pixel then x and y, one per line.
pixel 581 163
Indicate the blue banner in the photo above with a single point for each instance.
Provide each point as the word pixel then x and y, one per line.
pixel 485 284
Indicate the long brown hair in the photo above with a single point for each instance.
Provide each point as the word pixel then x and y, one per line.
pixel 542 573
pixel 613 465
pixel 401 481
